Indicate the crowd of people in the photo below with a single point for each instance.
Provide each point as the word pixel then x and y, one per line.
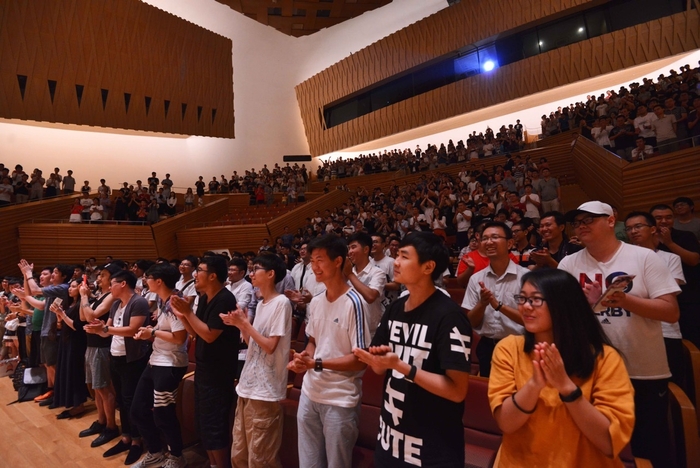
pixel 654 117
pixel 367 289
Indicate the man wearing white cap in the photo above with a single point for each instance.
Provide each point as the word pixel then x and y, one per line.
pixel 631 318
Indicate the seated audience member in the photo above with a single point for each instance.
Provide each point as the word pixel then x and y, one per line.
pixel 216 353
pixel 257 430
pixel 561 393
pixel 153 408
pixel 555 243
pixel 489 302
pixel 427 387
pixel 641 150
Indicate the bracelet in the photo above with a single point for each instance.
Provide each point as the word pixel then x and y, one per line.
pixel 512 397
pixel 573 396
pixel 411 376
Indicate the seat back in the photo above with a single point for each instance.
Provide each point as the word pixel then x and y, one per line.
pixel 691 367
pixel 685 442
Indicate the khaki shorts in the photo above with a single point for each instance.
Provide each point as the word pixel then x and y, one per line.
pixel 257 434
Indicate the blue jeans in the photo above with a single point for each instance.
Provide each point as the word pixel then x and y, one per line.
pixel 327 434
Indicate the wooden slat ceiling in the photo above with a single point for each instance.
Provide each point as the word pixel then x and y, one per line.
pixel 300 18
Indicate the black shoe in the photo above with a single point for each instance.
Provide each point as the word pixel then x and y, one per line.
pixel 106 435
pixel 47 402
pixel 64 415
pixel 117 449
pixel 53 406
pixel 135 452
pixel 95 428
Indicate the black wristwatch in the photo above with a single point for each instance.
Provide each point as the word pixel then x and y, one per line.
pixel 498 307
pixel 105 329
pixel 571 397
pixel 410 377
pixel 318 365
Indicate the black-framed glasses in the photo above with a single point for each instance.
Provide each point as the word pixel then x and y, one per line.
pixel 199 270
pixel 587 220
pixel 258 267
pixel 636 227
pixel 492 238
pixel 533 301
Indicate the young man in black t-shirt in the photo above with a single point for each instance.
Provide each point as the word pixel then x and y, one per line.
pixel 423 343
pixel 216 353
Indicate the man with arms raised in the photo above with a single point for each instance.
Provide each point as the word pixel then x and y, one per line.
pixel 423 344
pixel 631 318
pixel 216 354
pixel 329 406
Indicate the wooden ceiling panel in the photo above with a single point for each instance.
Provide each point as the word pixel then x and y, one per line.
pixel 287 15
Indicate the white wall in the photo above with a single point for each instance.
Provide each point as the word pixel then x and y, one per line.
pixel 266 66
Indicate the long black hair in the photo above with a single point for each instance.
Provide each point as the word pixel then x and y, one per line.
pixel 576 330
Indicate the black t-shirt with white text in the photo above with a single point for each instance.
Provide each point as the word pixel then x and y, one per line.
pixel 416 427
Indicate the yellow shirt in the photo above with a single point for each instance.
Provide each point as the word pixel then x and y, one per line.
pixel 550 437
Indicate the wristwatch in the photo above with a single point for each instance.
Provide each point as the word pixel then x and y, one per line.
pixel 571 397
pixel 153 332
pixel 498 307
pixel 105 329
pixel 411 374
pixel 318 365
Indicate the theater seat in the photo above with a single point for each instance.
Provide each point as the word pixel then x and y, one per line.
pixel 289 452
pixel 372 400
pixel 684 430
pixel 184 407
pixel 482 437
pixel 691 367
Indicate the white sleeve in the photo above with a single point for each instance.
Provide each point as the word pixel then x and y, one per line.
pixel 657 277
pixel 472 294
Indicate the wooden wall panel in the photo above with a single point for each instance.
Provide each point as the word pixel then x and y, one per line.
pixel 164 231
pixel 599 172
pixel 124 47
pixel 46 244
pixel 235 238
pixel 444 32
pixel 11 217
pixel 297 217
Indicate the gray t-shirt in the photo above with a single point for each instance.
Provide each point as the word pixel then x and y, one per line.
pixel 51 293
pixel 548 189
pixel 692 226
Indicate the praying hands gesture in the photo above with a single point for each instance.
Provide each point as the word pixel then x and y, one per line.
pixel 548 369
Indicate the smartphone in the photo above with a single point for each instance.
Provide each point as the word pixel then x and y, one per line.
pixel 58 301
pixel 85 280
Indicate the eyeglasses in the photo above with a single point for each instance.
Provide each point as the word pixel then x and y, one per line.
pixel 587 220
pixel 533 301
pixel 200 270
pixel 515 231
pixel 492 238
pixel 636 227
pixel 256 268
pixel 186 264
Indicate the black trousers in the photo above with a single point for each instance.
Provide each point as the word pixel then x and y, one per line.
pixel 484 352
pixel 651 438
pixel 153 408
pixel 125 377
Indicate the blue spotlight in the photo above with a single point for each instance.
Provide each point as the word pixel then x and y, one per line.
pixel 489 65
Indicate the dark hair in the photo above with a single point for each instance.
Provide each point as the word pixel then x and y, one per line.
pixel 660 206
pixel 192 259
pixel 557 215
pixel 218 265
pixel 380 235
pixel 334 246
pixel 575 328
pixel 65 270
pixel 239 263
pixel 687 200
pixel 497 224
pixel 166 272
pixel 428 247
pixel 143 264
pixel 362 238
pixel 647 216
pixel 125 275
pixel 272 263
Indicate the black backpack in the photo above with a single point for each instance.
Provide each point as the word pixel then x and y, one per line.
pixel 30 382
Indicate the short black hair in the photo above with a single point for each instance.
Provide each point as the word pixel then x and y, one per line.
pixel 558 217
pixel 362 238
pixel 272 263
pixel 239 263
pixel 649 218
pixel 192 259
pixel 687 200
pixel 218 265
pixel 429 247
pixel 166 272
pixel 334 246
pixel 126 276
pixel 497 224
pixel 144 265
pixel 660 206
pixel 66 271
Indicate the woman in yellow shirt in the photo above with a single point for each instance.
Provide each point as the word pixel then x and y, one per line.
pixel 561 393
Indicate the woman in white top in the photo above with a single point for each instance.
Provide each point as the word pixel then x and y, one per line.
pixel 153 407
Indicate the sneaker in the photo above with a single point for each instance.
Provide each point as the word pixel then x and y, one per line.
pixel 151 460
pixel 175 462
pixel 45 396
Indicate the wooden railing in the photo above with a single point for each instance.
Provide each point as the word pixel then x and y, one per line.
pixel 297 218
pixel 240 238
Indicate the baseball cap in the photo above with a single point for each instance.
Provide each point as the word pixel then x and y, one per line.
pixel 592 207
